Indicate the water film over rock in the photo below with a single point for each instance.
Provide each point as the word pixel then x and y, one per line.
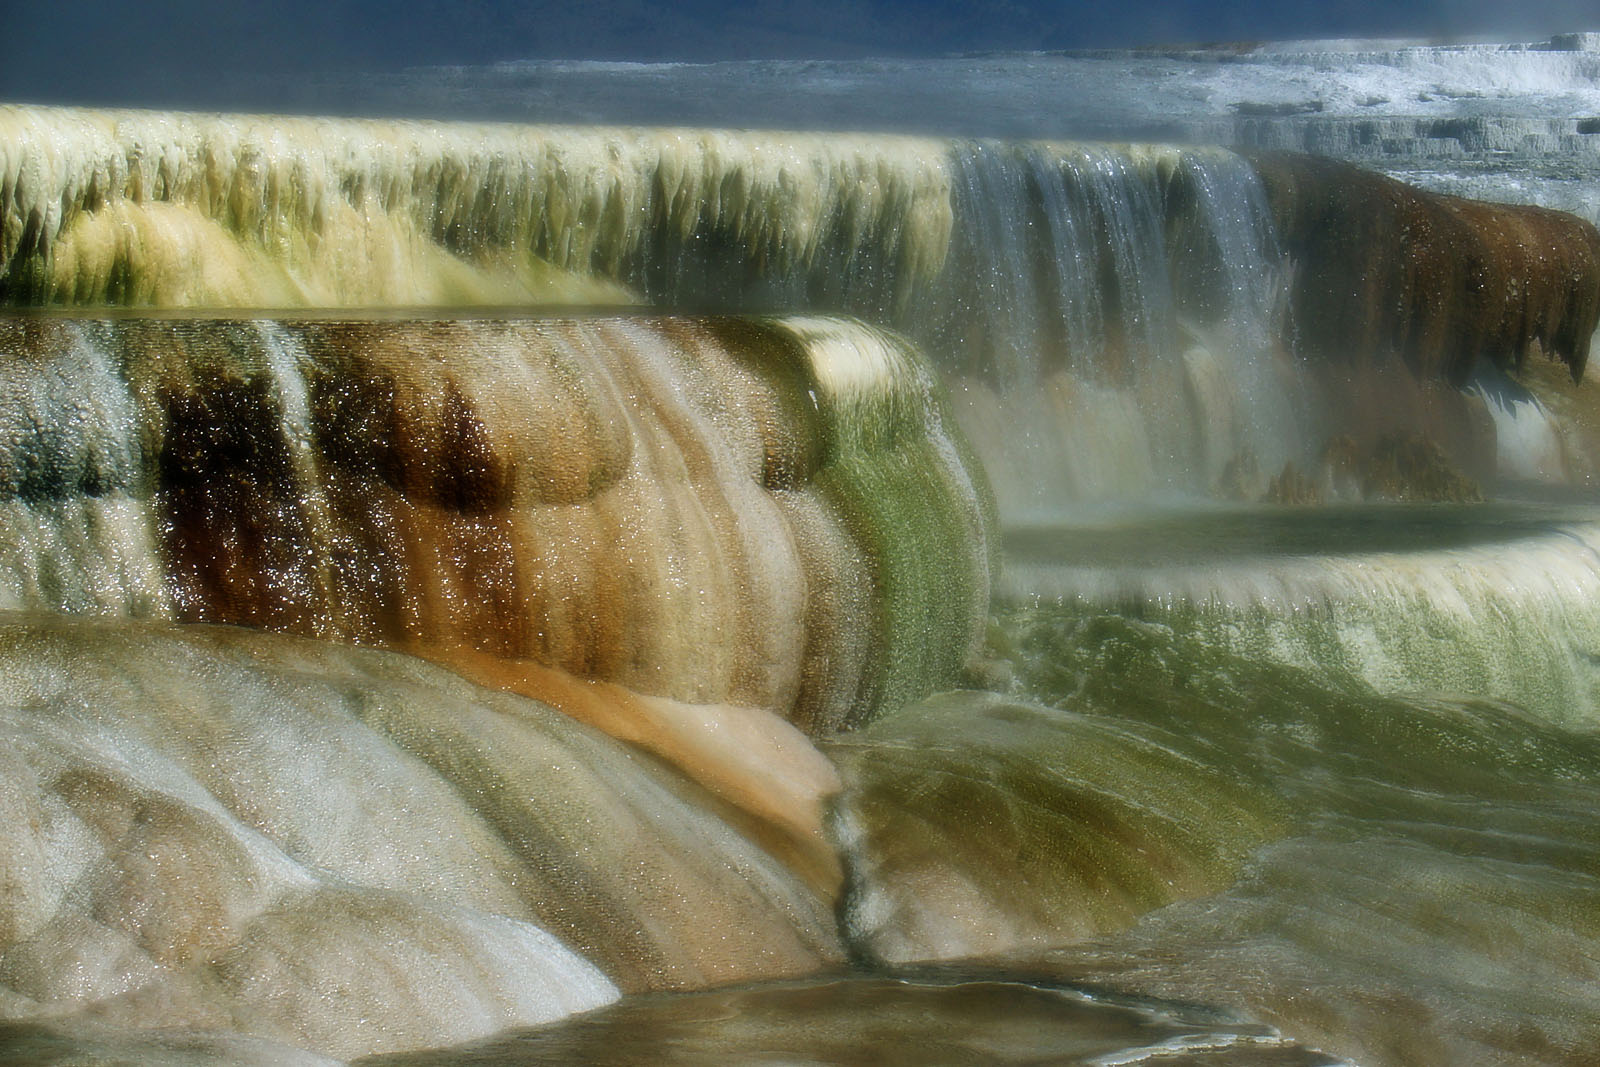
pixel 1396 919
pixel 487 592
pixel 871 1019
pixel 773 515
pixel 346 850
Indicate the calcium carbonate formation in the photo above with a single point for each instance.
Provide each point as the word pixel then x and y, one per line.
pixel 777 515
pixel 174 210
pixel 456 577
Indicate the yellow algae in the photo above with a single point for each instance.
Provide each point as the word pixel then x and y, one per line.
pixel 898 473
pixel 129 207
pixel 1083 825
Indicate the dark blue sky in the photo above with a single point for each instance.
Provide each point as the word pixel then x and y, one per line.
pixel 206 52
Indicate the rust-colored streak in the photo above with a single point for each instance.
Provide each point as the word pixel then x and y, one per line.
pixel 358 424
pixel 235 536
pixel 625 500
pixel 777 784
pixel 467 474
pixel 473 557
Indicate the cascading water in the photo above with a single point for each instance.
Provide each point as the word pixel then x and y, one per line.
pixel 1139 288
pixel 699 593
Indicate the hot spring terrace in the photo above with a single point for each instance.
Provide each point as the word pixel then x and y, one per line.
pixel 455 577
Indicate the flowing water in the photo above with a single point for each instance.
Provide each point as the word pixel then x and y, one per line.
pixel 489 593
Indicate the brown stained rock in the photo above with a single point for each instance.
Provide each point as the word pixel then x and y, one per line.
pixel 1376 398
pixel 663 504
pixel 1415 468
pixel 1396 467
pixel 232 507
pixel 450 413
pixel 1385 271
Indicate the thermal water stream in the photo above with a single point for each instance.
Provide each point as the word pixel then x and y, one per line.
pixel 491 593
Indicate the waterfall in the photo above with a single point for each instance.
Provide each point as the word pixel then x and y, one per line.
pixel 151 209
pixel 1470 600
pixel 601 590
pixel 1142 291
pixel 787 521
pixel 1147 290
